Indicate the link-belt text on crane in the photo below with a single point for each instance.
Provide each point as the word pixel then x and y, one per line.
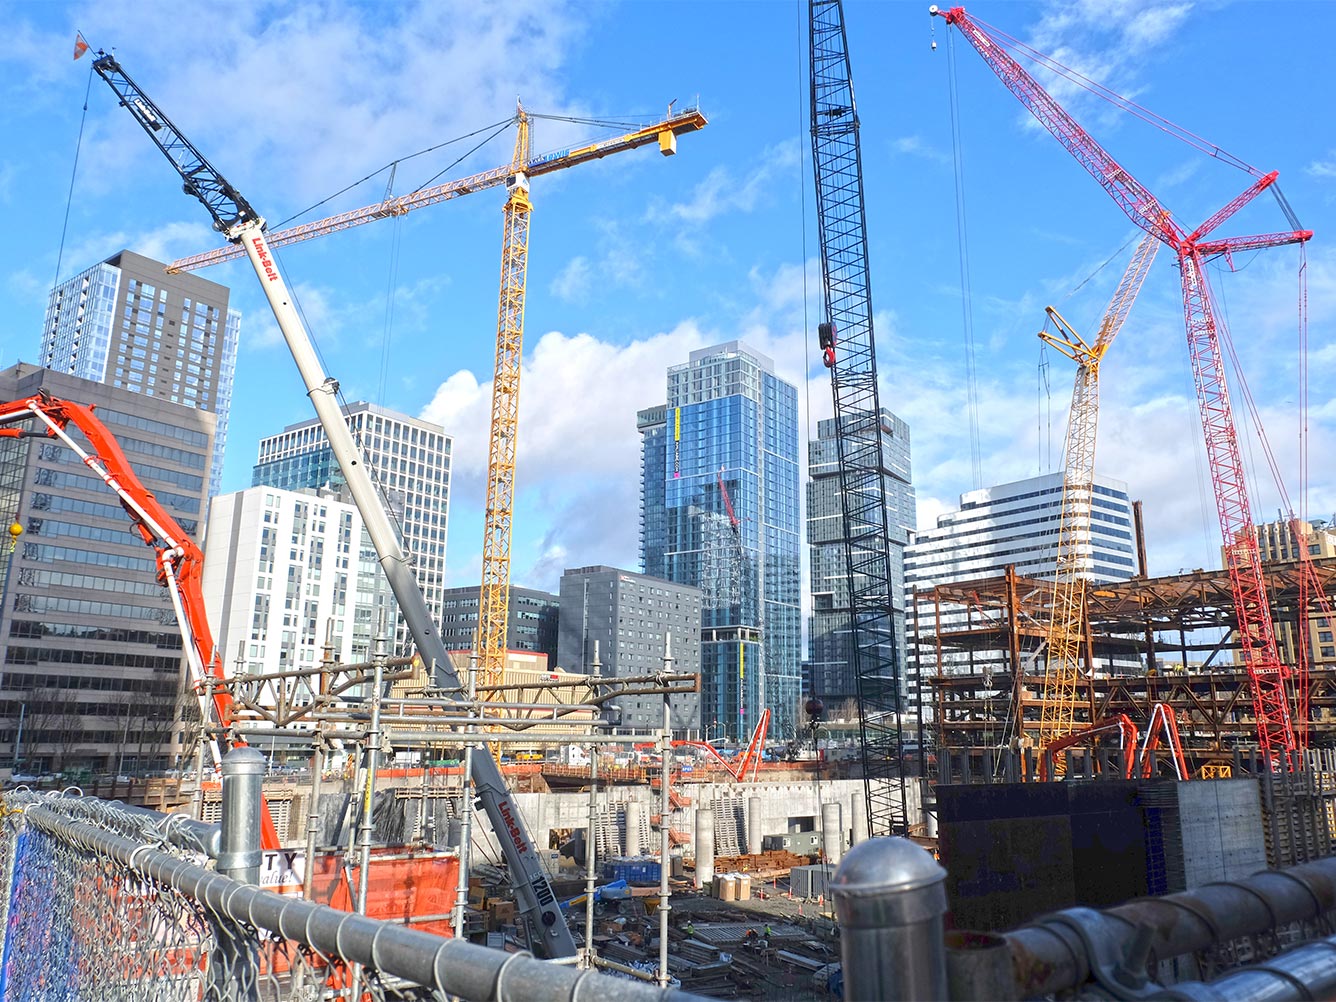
pixel 270 272
pixel 516 836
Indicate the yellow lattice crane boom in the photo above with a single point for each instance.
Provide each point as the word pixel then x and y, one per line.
pixel 494 597
pixel 1066 627
pixel 664 132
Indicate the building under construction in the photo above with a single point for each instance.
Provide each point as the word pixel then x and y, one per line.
pixel 977 650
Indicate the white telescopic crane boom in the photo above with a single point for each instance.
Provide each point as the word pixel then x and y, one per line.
pixel 235 219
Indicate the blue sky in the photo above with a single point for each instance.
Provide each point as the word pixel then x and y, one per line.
pixel 637 260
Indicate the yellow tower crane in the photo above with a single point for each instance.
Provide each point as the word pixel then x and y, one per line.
pixel 495 593
pixel 1066 627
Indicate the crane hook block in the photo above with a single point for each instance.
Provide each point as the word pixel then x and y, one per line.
pixel 826 336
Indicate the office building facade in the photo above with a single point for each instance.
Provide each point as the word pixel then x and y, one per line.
pixel 830 668
pixel 1015 524
pixel 127 323
pixel 720 510
pixel 624 619
pixel 531 620
pixel 90 648
pixel 407 457
pixel 289 581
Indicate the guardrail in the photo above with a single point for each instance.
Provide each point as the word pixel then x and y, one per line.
pixel 99 900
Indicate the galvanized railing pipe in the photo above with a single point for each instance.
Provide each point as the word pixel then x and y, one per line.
pixel 448 966
pixel 1052 955
pixel 239 854
pixel 1306 972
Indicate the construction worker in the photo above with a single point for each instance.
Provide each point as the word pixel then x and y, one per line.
pixel 691 929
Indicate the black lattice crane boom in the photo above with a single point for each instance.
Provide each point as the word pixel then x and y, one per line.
pixel 849 351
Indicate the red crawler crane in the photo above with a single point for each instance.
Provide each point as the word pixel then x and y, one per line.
pixel 1257 639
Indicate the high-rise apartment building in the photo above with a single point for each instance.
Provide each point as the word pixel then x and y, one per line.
pixel 1017 525
pixel 288 576
pixel 831 662
pixel 90 648
pixel 531 620
pixel 127 323
pixel 627 617
pixel 719 510
pixel 1277 544
pixel 408 458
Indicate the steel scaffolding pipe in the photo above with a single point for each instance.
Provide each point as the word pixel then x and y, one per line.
pixel 1054 954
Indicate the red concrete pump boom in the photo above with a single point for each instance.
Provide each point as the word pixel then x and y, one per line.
pixel 180 561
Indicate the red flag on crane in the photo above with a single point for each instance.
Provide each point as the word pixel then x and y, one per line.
pixel 80 46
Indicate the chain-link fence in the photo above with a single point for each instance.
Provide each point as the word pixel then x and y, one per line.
pixel 102 902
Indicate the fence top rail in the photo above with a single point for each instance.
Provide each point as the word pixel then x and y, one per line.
pixel 137 823
pixel 450 967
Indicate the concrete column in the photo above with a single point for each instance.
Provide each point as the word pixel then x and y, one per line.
pixel 832 831
pixel 754 825
pixel 928 796
pixel 704 846
pixel 858 812
pixel 634 812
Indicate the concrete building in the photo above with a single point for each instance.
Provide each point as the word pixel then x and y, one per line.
pixel 531 620
pixel 831 675
pixel 408 458
pixel 720 510
pixel 1015 524
pixel 286 575
pixel 127 323
pixel 628 616
pixel 90 648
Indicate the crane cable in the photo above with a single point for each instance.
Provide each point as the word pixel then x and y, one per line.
pixel 1186 136
pixel 966 293
pixel 74 170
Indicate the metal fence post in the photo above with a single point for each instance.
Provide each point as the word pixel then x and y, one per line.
pixel 239 855
pixel 234 963
pixel 890 903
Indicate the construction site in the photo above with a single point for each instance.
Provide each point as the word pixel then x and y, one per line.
pixel 1054 785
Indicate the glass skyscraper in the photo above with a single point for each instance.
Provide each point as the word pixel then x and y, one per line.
pixel 719 510
pixel 832 660
pixel 127 323
pixel 410 461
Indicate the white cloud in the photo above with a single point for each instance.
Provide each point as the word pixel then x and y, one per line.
pixel 916 146
pixel 572 282
pixel 431 51
pixel 723 191
pixel 1323 168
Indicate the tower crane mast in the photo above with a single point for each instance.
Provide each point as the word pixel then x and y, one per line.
pixel 849 351
pixel 1256 630
pixel 1066 627
pixel 237 220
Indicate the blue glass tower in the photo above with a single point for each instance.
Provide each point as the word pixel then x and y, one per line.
pixel 719 510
